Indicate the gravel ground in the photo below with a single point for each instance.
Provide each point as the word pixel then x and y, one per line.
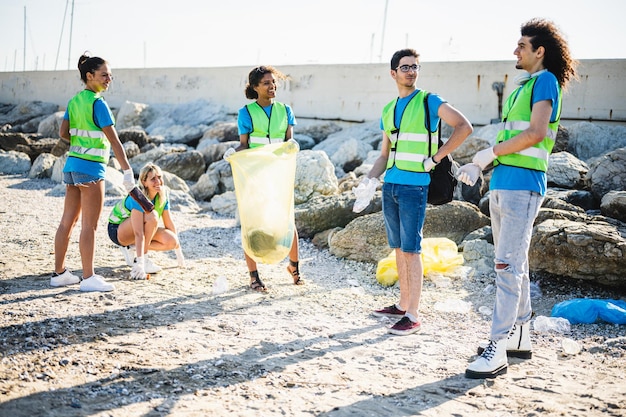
pixel 169 346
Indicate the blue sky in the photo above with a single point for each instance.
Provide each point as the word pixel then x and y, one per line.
pixel 210 33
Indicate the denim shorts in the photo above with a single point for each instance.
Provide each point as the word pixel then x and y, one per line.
pixel 404 209
pixel 78 178
pixel 112 229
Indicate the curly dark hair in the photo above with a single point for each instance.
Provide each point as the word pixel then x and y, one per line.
pixel 256 75
pixel 557 58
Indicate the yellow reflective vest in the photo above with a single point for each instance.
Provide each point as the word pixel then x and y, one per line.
pixel 516 114
pixel 87 140
pixel 409 143
pixel 266 130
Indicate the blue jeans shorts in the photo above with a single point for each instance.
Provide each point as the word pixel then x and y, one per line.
pixel 78 178
pixel 112 229
pixel 404 209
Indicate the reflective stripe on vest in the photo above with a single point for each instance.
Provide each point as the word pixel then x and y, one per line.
pixel 516 118
pixel 267 130
pixel 409 144
pixel 87 140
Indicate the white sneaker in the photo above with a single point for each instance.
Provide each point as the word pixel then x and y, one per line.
pixel 96 283
pixel 129 254
pixel 150 267
pixel 66 278
pixel 491 363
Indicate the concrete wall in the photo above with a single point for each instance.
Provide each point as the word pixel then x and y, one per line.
pixel 337 92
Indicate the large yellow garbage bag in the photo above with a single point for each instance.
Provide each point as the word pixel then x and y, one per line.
pixel 264 180
pixel 387 270
pixel 438 255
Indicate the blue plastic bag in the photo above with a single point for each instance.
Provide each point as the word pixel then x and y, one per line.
pixel 588 310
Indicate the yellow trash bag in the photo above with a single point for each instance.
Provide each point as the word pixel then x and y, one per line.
pixel 438 255
pixel 264 180
pixel 387 270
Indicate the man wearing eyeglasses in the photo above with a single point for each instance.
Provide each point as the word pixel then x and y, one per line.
pixel 406 162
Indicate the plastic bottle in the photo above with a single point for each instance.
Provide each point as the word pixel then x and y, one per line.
pixel 220 285
pixel 141 198
pixel 545 324
pixel 571 347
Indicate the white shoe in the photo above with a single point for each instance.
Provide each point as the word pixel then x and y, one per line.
pixel 491 363
pixel 150 267
pixel 518 342
pixel 66 278
pixel 96 283
pixel 129 254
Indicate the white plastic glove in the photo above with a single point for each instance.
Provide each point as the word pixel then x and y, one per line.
pixel 180 258
pixel 138 271
pixel 228 153
pixel 430 164
pixel 484 158
pixel 129 179
pixel 468 174
pixel 364 193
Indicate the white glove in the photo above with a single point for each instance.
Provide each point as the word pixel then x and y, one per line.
pixel 430 164
pixel 484 158
pixel 129 179
pixel 468 174
pixel 364 193
pixel 138 271
pixel 228 153
pixel 180 258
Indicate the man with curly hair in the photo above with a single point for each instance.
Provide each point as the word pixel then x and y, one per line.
pixel 530 120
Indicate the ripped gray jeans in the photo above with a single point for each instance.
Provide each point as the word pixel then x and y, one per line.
pixel 513 213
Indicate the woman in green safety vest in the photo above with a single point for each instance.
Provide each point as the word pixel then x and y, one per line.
pixel 89 127
pixel 135 230
pixel 260 123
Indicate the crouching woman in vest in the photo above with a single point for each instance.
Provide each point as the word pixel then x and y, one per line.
pixel 88 126
pixel 262 122
pixel 135 230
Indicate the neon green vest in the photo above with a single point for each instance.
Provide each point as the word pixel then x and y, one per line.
pixel 121 213
pixel 266 130
pixel 516 114
pixel 87 140
pixel 409 143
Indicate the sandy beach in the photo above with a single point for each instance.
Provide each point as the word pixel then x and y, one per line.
pixel 169 346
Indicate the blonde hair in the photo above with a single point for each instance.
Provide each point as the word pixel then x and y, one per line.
pixel 143 176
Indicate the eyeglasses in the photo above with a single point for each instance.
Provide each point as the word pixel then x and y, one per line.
pixel 406 68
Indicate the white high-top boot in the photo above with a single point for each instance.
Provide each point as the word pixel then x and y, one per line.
pixel 491 363
pixel 518 342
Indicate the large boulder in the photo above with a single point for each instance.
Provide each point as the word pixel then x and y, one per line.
pixel 594 251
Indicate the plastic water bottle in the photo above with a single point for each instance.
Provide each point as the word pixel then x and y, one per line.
pixel 220 286
pixel 545 324
pixel 571 347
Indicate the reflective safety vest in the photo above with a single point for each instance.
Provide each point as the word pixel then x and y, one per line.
pixel 87 140
pixel 266 130
pixel 121 213
pixel 409 143
pixel 516 114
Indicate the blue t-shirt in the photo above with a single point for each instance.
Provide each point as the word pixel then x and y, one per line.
pixel 506 177
pixel 244 121
pixel 102 117
pixel 397 176
pixel 131 204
